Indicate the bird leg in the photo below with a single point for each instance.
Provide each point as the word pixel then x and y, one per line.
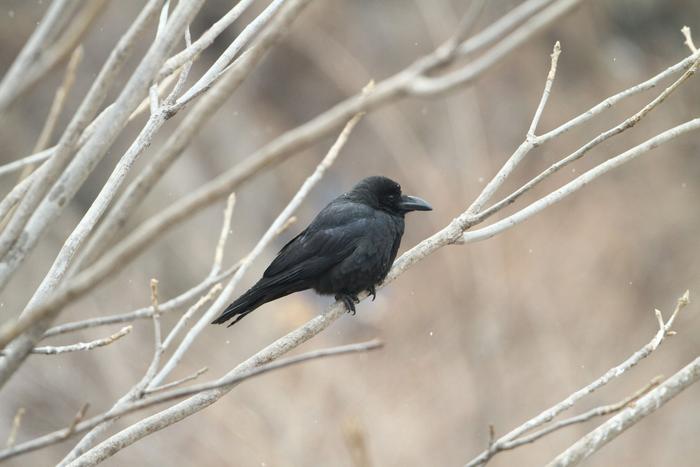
pixel 349 302
pixel 373 292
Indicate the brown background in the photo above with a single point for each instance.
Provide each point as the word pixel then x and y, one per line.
pixel 489 333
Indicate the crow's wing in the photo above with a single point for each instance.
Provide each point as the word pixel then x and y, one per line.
pixel 330 238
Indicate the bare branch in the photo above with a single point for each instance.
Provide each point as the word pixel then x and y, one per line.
pixel 422 85
pixel 157 340
pixel 59 100
pixel 547 90
pixel 447 236
pixel 204 41
pixel 286 225
pixel 84 114
pixel 567 403
pixel 58 50
pixel 93 151
pixel 12 83
pixel 136 392
pixel 422 75
pixel 611 429
pixel 584 417
pixel 503 26
pixel 146 312
pixel 187 316
pixel 77 419
pixel 244 38
pixel 689 39
pixel 82 164
pixel 86 111
pixel 579 182
pixel 181 137
pixel 624 125
pixel 225 231
pixel 24 162
pixel 497 181
pixel 14 197
pixel 226 382
pixel 81 346
pixel 16 422
pixel 179 382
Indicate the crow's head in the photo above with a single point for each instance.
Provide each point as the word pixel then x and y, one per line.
pixel 385 194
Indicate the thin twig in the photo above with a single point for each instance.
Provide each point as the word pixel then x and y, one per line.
pixel 157 337
pixel 20 164
pixel 217 70
pixel 187 316
pixel 13 197
pixel 16 422
pixel 497 181
pixel 204 41
pixel 186 379
pixel 59 100
pixel 547 90
pixel 170 306
pixel 82 346
pixel 286 225
pixel 689 39
pixel 225 231
pixel 77 419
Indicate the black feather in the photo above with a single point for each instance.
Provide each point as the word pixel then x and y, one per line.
pixel 348 248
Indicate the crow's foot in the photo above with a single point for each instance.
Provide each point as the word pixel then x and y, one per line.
pixel 373 292
pixel 349 301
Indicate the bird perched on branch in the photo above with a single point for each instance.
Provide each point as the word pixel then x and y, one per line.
pixel 348 248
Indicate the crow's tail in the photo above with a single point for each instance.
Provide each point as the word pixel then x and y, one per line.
pixel 267 289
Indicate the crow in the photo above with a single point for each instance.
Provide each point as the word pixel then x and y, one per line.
pixel 348 248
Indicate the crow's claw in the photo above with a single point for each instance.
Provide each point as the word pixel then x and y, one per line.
pixel 373 292
pixel 349 302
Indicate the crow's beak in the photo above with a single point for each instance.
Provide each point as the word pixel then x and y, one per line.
pixel 413 203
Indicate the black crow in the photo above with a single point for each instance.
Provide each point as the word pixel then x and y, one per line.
pixel 348 248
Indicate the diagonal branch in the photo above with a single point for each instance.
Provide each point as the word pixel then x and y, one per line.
pixel 81 346
pixel 584 417
pixel 611 429
pixel 615 372
pixel 165 396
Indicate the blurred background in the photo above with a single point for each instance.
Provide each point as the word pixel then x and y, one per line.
pixel 485 334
